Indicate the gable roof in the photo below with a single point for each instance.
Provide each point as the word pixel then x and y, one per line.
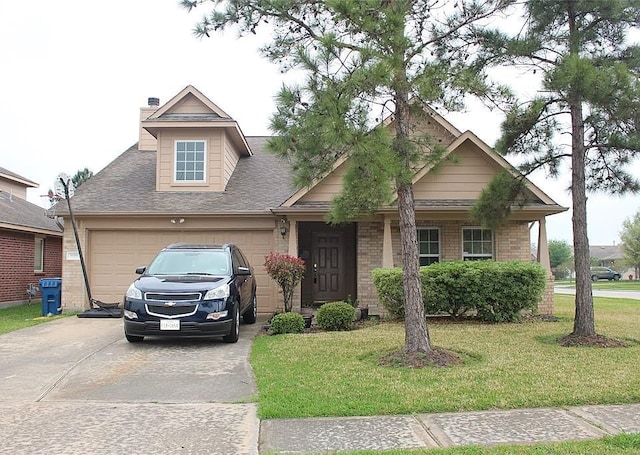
pixel 20 215
pixel 169 115
pixel 12 176
pixel 127 186
pixel 493 156
pixel 543 203
pixel 605 252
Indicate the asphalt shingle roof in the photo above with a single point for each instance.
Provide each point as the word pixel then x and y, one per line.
pixel 24 215
pixel 605 252
pixel 13 175
pixel 128 186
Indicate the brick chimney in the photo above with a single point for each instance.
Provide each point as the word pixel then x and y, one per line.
pixel 147 141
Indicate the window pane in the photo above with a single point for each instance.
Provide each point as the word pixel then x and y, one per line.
pixel 200 147
pixel 38 260
pixel 180 147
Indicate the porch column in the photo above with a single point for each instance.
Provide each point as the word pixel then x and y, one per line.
pixel 293 238
pixel 543 246
pixel 387 245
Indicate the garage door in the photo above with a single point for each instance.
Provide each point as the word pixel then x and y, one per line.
pixel 113 257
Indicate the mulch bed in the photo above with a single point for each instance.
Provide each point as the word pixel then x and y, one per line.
pixel 438 357
pixel 595 341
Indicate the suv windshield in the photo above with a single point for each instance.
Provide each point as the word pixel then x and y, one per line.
pixel 189 262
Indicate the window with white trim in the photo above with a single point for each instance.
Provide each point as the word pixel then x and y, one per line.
pixel 477 244
pixel 38 259
pixel 190 159
pixel 429 245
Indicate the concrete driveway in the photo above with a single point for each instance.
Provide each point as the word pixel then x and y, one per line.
pixel 77 386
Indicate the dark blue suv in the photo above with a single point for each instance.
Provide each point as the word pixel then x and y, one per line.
pixel 191 291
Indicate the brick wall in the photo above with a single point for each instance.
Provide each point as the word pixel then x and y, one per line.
pixel 17 251
pixel 511 242
pixel 74 295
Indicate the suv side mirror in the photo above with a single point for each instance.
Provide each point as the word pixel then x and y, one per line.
pixel 140 270
pixel 244 271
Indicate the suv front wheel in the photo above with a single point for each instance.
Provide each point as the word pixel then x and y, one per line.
pixel 234 334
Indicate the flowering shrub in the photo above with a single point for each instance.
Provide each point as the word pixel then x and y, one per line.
pixel 287 271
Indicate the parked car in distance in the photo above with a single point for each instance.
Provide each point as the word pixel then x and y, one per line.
pixel 191 291
pixel 604 273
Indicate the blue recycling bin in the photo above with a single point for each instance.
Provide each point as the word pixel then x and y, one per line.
pixel 51 291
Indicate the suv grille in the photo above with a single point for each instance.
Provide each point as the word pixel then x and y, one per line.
pixel 171 311
pixel 191 297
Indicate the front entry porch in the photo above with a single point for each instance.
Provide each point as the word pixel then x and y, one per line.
pixel 330 255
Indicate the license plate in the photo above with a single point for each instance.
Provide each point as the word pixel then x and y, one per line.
pixel 170 324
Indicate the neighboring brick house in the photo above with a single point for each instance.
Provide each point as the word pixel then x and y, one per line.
pixel 30 242
pixel 194 176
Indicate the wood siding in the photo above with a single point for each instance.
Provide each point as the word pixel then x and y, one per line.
pixel 463 177
pixel 214 178
pixel 17 189
pixel 190 105
pixel 231 158
pixel 328 188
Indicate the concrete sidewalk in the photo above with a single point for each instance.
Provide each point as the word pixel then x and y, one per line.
pixel 520 426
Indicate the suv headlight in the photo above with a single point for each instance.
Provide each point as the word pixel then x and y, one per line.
pixel 221 292
pixel 133 293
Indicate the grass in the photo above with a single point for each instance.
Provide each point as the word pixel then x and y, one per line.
pixel 506 366
pixel 624 444
pixel 622 285
pixel 19 317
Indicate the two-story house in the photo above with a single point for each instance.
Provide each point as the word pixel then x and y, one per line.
pixel 194 176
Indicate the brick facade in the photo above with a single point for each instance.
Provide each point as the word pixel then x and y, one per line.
pixel 17 252
pixel 511 242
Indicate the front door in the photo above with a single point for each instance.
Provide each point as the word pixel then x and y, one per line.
pixel 328 262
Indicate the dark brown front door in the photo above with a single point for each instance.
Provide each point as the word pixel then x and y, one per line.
pixel 328 262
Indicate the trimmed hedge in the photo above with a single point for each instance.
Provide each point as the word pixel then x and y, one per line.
pixel 492 291
pixel 333 316
pixel 286 323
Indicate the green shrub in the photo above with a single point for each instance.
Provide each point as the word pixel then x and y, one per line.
pixel 388 284
pixel 509 288
pixel 493 291
pixel 286 323
pixel 334 316
pixel 453 287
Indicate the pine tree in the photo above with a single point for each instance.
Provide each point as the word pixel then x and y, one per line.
pixel 366 61
pixel 590 91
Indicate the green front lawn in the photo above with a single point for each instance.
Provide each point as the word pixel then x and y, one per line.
pixel 505 366
pixel 19 317
pixel 623 444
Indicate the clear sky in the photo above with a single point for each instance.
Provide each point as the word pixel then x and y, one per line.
pixel 75 73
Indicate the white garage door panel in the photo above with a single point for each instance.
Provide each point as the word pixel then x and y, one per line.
pixel 113 257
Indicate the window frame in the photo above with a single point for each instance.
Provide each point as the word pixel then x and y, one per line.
pixel 175 161
pixel 430 255
pixel 471 256
pixel 38 253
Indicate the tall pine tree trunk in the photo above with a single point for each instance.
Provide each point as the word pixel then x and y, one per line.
pixel 416 332
pixel 584 323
